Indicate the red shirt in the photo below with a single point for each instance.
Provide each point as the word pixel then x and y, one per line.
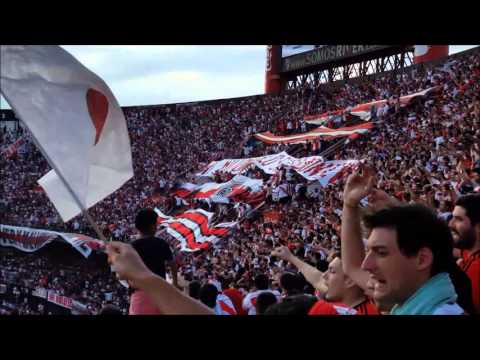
pixel 471 266
pixel 323 307
pixel 367 307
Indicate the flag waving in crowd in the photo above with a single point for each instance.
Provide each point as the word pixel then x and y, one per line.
pixel 193 230
pixel 239 189
pixel 76 121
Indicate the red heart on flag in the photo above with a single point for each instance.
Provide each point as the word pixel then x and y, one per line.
pixel 97 104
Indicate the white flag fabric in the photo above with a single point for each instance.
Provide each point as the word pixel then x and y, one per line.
pixel 75 119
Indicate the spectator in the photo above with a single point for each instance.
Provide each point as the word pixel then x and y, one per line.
pixel 410 237
pixel 261 286
pixel 208 295
pixel 264 301
pixel 155 253
pixel 166 297
pixel 291 284
pixel 194 289
pixel 465 228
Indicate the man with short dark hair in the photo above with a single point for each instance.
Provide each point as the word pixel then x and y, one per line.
pixel 409 253
pixel 194 289
pixel 211 295
pixel 262 284
pixel 290 284
pixel 264 301
pixel 465 228
pixel 208 295
pixel 156 254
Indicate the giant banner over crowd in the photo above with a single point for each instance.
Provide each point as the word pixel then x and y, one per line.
pixel 363 110
pixel 318 133
pixel 312 168
pixel 239 189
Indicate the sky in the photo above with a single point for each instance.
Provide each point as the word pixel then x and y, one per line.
pixel 161 74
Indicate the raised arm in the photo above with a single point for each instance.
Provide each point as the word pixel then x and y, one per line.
pixel 359 185
pixel 169 300
pixel 312 274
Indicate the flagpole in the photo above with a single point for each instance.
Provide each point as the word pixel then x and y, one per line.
pixel 60 175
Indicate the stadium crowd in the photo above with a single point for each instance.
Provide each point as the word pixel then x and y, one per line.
pixel 427 152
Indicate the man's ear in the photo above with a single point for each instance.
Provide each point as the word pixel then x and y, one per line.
pixel 424 258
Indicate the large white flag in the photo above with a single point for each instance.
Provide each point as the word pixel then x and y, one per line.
pixel 75 119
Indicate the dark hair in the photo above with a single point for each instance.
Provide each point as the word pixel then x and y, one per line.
pixel 293 305
pixel 264 301
pixel 146 220
pixel 261 282
pixel 208 295
pixel 471 204
pixel 417 227
pixel 290 282
pixel 110 310
pixel 194 289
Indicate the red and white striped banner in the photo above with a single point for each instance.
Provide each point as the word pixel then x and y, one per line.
pixel 60 300
pixel 323 118
pixel 327 172
pixel 239 189
pixel 9 151
pixel 320 132
pixel 31 240
pixel 185 190
pixel 312 168
pixel 193 230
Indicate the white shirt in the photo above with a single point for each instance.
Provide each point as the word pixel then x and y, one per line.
pixel 250 300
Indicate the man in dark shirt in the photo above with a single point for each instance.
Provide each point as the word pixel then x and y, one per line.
pixel 156 254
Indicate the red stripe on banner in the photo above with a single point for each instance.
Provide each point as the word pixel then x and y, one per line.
pixel 188 235
pixel 202 222
pixel 199 219
pixel 206 194
pixel 219 231
pixel 182 193
pixel 340 174
pixel 227 308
